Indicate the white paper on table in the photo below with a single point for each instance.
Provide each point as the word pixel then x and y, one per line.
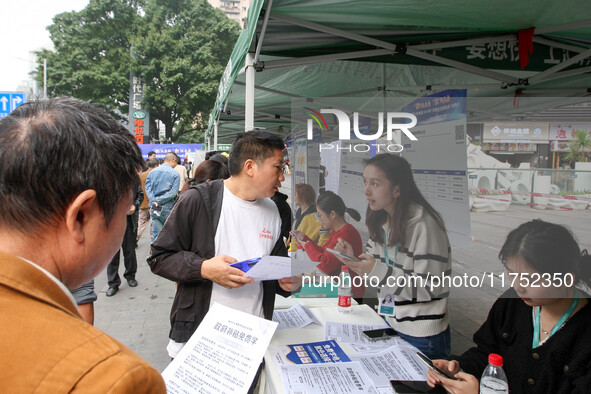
pixel 378 345
pixel 385 390
pixel 297 316
pixel 223 354
pixel 394 363
pixel 278 267
pixel 326 379
pixel 350 332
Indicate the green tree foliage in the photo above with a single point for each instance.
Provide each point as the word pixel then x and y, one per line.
pixel 90 60
pixel 180 48
pixel 578 146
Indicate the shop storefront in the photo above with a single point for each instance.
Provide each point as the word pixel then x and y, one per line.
pixel 560 136
pixel 516 143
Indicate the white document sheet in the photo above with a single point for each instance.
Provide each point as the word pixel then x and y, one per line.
pixel 378 345
pixel 222 356
pixel 297 316
pixel 278 267
pixel 339 378
pixel 351 332
pixel 394 363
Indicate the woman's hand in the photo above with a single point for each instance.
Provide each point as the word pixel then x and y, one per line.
pixel 364 266
pixel 300 237
pixel 452 366
pixel 466 383
pixel 291 283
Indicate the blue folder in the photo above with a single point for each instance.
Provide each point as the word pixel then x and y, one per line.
pixel 246 264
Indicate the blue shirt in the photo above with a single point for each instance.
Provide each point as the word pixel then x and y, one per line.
pixel 162 185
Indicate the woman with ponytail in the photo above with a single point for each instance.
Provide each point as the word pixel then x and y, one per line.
pixel 330 213
pixel 408 245
pixel 542 325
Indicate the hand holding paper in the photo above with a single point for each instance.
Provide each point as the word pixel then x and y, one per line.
pixel 218 270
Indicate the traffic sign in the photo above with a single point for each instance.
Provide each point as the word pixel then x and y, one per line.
pixel 9 101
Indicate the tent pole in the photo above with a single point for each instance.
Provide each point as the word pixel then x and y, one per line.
pixel 552 70
pixel 215 136
pixel 263 31
pixel 272 64
pixel 249 93
pixel 567 26
pixel 556 44
pixel 409 51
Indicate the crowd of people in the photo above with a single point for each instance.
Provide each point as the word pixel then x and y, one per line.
pixel 56 236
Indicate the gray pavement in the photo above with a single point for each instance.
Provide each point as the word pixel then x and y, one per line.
pixel 139 317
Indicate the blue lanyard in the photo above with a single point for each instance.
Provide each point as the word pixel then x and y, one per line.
pixel 386 250
pixel 565 316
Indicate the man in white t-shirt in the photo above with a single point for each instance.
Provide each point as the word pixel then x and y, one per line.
pixel 219 223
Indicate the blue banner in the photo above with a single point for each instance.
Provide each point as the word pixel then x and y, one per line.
pixel 446 105
pixel 182 150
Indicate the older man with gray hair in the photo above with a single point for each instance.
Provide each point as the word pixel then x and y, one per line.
pixel 66 187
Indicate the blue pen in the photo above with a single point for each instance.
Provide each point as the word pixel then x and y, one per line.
pixel 246 264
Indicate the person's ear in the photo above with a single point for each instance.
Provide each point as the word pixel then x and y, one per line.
pixel 248 167
pixel 80 212
pixel 396 191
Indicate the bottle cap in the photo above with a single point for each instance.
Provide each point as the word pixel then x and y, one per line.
pixel 495 359
pixel 344 268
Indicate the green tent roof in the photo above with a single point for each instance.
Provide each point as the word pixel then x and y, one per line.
pixel 318 48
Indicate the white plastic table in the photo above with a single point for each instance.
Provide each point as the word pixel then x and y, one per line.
pixel 325 310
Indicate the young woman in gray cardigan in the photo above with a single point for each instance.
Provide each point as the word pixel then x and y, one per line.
pixel 408 248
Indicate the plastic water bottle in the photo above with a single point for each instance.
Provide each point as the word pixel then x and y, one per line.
pixel 494 380
pixel 344 290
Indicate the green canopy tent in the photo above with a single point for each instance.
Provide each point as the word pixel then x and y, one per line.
pixel 318 48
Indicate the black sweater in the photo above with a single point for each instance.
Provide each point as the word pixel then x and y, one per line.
pixel 561 365
pixel 186 240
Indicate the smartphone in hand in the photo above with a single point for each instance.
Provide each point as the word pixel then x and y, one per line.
pixel 430 364
pixel 295 236
pixel 345 256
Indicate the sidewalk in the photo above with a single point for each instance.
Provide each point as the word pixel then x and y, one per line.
pixel 139 317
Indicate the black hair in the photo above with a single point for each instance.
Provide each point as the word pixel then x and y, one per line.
pixel 210 153
pixel 151 153
pixel 254 145
pixel 398 172
pixel 548 248
pixel 220 159
pixel 68 146
pixel 210 169
pixel 329 201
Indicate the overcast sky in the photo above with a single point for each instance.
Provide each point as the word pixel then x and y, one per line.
pixel 23 29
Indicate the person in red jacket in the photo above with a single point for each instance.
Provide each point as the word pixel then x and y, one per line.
pixel 330 212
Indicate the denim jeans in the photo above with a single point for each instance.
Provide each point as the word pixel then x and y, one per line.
pixel 158 219
pixel 434 347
